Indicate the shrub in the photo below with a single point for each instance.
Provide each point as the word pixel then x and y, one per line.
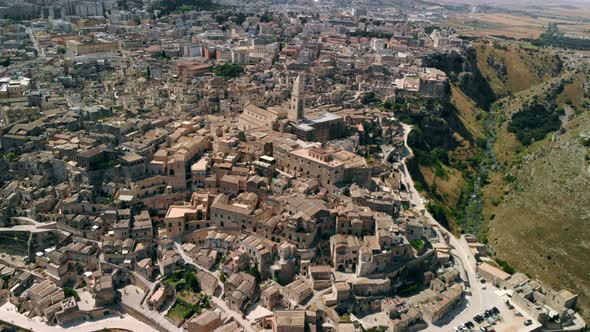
pixel 509 178
pixel 417 244
pixel 228 70
pixel 370 99
pixel 181 285
pixel 70 292
pixel 418 186
pixel 254 272
pixel 534 122
pixel 379 328
pixel 191 281
pixel 505 266
pixel 388 105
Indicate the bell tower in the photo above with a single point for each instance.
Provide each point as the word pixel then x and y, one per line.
pixel 297 99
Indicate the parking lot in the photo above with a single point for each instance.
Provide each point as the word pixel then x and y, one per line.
pixel 507 319
pixel 504 319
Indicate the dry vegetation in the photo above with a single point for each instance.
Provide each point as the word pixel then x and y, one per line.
pixel 525 67
pixel 546 207
pixel 516 25
pixel 537 198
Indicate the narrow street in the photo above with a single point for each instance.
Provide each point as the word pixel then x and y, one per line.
pixel 216 299
pixel 238 317
pixel 191 261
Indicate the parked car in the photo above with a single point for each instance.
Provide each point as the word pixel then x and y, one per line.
pixel 495 310
pixel 483 329
pixel 470 325
pixel 528 322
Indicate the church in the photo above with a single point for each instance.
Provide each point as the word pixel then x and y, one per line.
pixel 320 128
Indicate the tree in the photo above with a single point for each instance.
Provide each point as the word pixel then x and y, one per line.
pixel 388 105
pixel 254 271
pixel 370 98
pixel 504 265
pixel 10 156
pixel 380 328
pixel 5 279
pixel 70 292
pixel 228 70
pixel 534 122
pixel 169 6
pixel 184 8
pixel 161 56
pixel 61 50
pixel 266 17
pixel 191 281
pixel 239 18
pixel 205 301
pixel 417 244
pixel 5 62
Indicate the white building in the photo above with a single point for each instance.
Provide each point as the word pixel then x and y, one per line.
pixel 14 86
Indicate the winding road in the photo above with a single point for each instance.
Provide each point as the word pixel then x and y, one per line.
pixel 480 299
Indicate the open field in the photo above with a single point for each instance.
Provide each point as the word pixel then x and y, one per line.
pixel 565 9
pixel 514 25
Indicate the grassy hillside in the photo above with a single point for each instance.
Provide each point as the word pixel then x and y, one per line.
pixel 478 78
pixel 518 172
pixel 538 194
pixel 510 67
pixel 545 205
pixel 447 144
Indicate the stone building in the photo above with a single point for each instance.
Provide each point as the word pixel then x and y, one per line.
pixel 239 290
